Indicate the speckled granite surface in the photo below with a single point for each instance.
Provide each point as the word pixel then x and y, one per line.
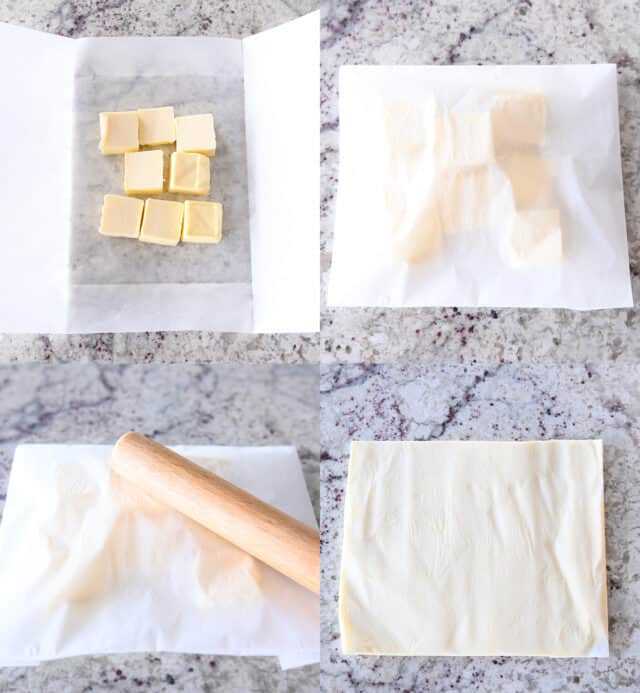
pixel 445 32
pixel 148 18
pixel 88 403
pixel 510 402
pixel 160 347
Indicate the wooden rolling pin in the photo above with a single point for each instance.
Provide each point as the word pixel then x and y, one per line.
pixel 261 530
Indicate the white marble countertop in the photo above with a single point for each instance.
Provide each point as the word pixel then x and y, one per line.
pixel 509 402
pixel 153 18
pixel 88 403
pixel 447 32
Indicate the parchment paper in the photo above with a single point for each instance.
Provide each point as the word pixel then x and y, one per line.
pixel 96 259
pixel 581 144
pixel 89 565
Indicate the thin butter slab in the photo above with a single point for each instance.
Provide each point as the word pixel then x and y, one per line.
pixel 474 548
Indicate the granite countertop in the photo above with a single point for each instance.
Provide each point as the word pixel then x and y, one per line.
pixel 90 403
pixel 511 402
pixel 149 18
pixel 448 32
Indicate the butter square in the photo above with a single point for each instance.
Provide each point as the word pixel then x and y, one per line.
pixel 202 222
pixel 162 222
pixel 474 549
pixel 463 139
pixel 119 132
pixel 535 238
pixel 529 177
pixel 121 216
pixel 156 126
pixel 143 172
pixel 195 133
pixel 464 195
pixel 518 120
pixel 189 173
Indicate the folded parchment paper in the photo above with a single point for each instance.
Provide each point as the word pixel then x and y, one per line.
pixel 58 275
pixel 89 565
pixel 381 159
pixel 474 548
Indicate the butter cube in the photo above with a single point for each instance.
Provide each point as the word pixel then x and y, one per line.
pixel 119 132
pixel 121 216
pixel 162 222
pixel 202 222
pixel 530 178
pixel 143 172
pixel 535 238
pixel 156 126
pixel 518 120
pixel 464 196
pixel 189 173
pixel 419 237
pixel 463 139
pixel 195 133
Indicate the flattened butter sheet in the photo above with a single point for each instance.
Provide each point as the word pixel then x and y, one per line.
pixel 474 548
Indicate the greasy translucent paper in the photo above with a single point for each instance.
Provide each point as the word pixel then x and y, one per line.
pixel 474 548
pixel 480 186
pixel 89 565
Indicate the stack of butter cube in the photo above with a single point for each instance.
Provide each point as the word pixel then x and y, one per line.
pixel 166 222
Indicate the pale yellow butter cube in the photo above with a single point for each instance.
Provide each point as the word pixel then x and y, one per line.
pixel 119 132
pixel 463 195
pixel 121 216
pixel 162 222
pixel 463 139
pixel 143 172
pixel 202 222
pixel 195 133
pixel 530 178
pixel 519 120
pixel 536 238
pixel 156 126
pixel 189 173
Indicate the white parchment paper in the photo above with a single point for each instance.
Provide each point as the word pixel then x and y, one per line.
pixel 581 144
pixel 88 565
pixel 59 275
pixel 35 69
